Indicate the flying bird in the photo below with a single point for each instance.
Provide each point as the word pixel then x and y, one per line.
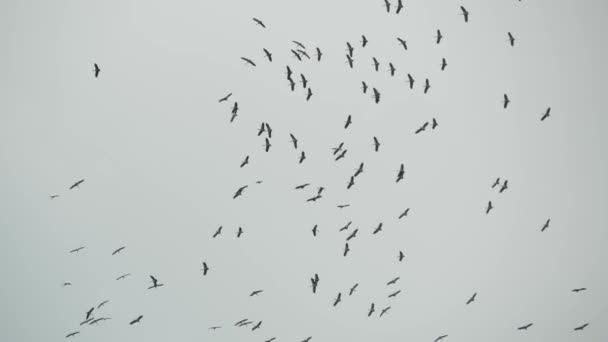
pixel 299 187
pixel 399 6
pixel 294 141
pixel 443 64
pixel 299 44
pixel 155 283
pixel 313 199
pixel 235 108
pixel 496 183
pixel 53 196
pixel 255 293
pixel 401 256
pixel 217 232
pixel 239 232
pixel 581 327
pixel 309 94
pixel 205 268
pixel 371 310
pixel 76 250
pixel 338 299
pixel 546 225
pixel 118 250
pixel 314 230
pixel 546 114
pixel 438 36
pixel 239 192
pixel 225 98
pixel 364 87
pixel 440 338
pixel 427 85
pixel 89 313
pixel 338 149
pixel 434 124
pixel 267 145
pixel 259 22
pixel 376 63
pixel 422 128
pixel 376 95
pixel 257 326
pixel 295 53
pixel 410 80
pixel 268 54
pixel 504 186
pixel 465 13
pixel 245 162
pixel 303 80
pixel 394 294
pixel 302 157
pixel 350 49
pixel 400 173
pixel 96 70
pixel 215 328
pixel 392 69
pixel 350 61
pixel 404 214
pixel 72 334
pixel 303 53
pixel 102 303
pixel 403 43
pixel 136 320
pixel 123 276
pixel 351 182
pixel 248 61
pixel 579 289
pixel 505 101
pixel 385 310
pixel 346 249
pixel 319 54
pixel 525 327
pixel 489 207
pixel 472 299
pixel 363 41
pixel 352 235
pixel 352 289
pixel 346 226
pixel 511 39
pixel 77 184
pixel 394 281
pixel 376 144
pixel 388 6
pixel 349 120
pixel 378 229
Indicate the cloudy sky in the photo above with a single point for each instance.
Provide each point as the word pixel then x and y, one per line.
pixel 161 159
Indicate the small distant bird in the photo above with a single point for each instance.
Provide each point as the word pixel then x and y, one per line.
pixel 313 199
pixel 240 322
pixel 289 72
pixel 255 293
pixel 86 321
pixel 314 230
pixel 496 183
pixel 403 43
pixel 205 268
pixel 376 95
pixel 392 69
pixel 239 232
pixel 401 256
pixel 309 94
pixel 217 232
pixel 422 128
pixel 359 170
pixel 320 190
pixel 351 182
pixel 319 54
pixel 404 214
pixel 102 303
pixel 376 63
pixel 388 6
pixel 267 145
pixel 248 61
pixel 400 173
pixel 235 108
pixel 89 313
pixel 434 124
pixel 525 327
pixel 581 327
pixel 225 98
pixel 155 283
pixel 371 310
pixel 376 144
pixel 123 276
pixel 96 70
pixel 315 283
pixel 399 6
pixel 299 44
pixel 307 339
pixel 427 85
pixel 118 250
pixel 546 225
pixel 505 101
pixel 394 294
pixel 394 281
pixel 438 36
pixel 385 310
pixel 257 326
pixel 303 80
pixel 440 338
pixel 410 80
pixel 579 289
pixel 338 149
pixel 363 41
pixel 292 84
pixel 338 299
pixel 489 207
pixel 77 184
pixel 364 87
pixel 268 54
pixel 443 64
pixel 72 334
pixel 294 141
pixel 349 120
pixel 53 196
pixel 268 130
pixel 299 187
pixel 239 192
pixel 66 284
pixel 245 162
pixel 136 320
pixel 303 53
pixel 214 328
pixel 302 157
pixel 472 299
pixel 271 339
pixel 352 289
pixel 350 49
pixel 346 249
pixel 259 22
pixel 465 13
pixel 504 186
pixel 378 229
pixel 76 250
pixel 346 226
pixel 546 115
pixel 297 54
pixel 511 39
pixel 352 235
pixel 350 61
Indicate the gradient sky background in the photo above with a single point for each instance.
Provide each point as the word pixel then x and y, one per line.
pixel 161 163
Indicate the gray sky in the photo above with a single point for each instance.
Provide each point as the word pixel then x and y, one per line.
pixel 161 163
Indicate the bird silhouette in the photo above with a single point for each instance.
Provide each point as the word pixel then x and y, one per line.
pixel 489 207
pixel 438 36
pixel 248 61
pixel 302 157
pixel 77 184
pixel 137 320
pixel 376 144
pixel 309 94
pixel 525 327
pixel 384 311
pixel 215 328
pixel 297 54
pixel 245 161
pixel 346 226
pixel 300 187
pixel 394 281
pixel 72 334
pixel 205 268
pixel 239 192
pixel 505 101
pixel 546 225
pixel 364 87
pixel 472 299
pixel 96 70
pixel 546 114
pixel 89 313
pixel 268 130
pixel 235 108
pixel 581 327
pixel 440 338
pixel 294 141
pixel 402 42
pixel 76 250
pixel 303 53
pixel 496 183
pixel 303 80
pixel 410 80
pixel 267 145
pixel 102 303
pixel 313 199
pixel 339 148
pixel 255 293
pixel 511 39
pixel 123 276
pixel 268 54
pixel 505 186
pixel 363 40
pixel 300 45
pixel 394 294
pixel 400 173
pixel 351 182
pixel 350 49
pixel 66 284
pixel 465 13
pixel 315 283
pixel 217 232
pixel 399 6
pixel 53 196
pixel 427 86
pixel 348 122
pixel 259 22
pixel 352 235
pixel 404 214
pixel 376 63
pixel 307 339
pixel 155 283
pixel 225 98
pixel 350 61
pixel 359 170
pixel 118 250
pixel 319 54
pixel 579 289
pixel 371 310
pixel 443 64
pixel 346 249
pixel 422 128
pixel 257 326
pixel 338 299
pixel 314 230
pixel 239 232
pixel 392 69
pixel 401 256
pixel 353 289
pixel 378 229
pixel 388 6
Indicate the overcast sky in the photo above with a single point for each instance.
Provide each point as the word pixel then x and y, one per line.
pixel 161 159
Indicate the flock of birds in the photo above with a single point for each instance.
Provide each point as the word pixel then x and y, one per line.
pixel 300 52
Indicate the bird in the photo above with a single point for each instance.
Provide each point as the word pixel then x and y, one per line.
pixel 300 187
pixel 72 334
pixel 378 229
pixel 496 183
pixel 257 326
pixel 302 157
pixel 259 22
pixel 438 36
pixel 315 283
pixel 410 80
pixel 245 162
pixel 401 256
pixel 86 321
pixel 235 108
pixel 299 44
pixel 217 232
pixel 271 339
pixel 102 303
pixel 525 327
pixel 240 322
pixel 294 141
pixel 319 54
pixel 338 149
pixel 392 69
pixel 349 121
pixel 376 144
pixel 359 170
pixel 303 53
pixel 505 101
pixel 399 6
pixel 504 186
pixel 313 199
pixel 376 63
pixel 400 173
pixel 268 54
pixel 581 327
pixel 546 225
pixel 66 284
pixel 472 299
pixel 388 6
pixel 364 87
pixel 267 145
pixel 511 39
pixel 394 294
pixel 320 190
pixel 404 214
pixel 394 281
pixel 579 289
pixel 350 49
pixel 363 40
pixel 346 226
pixel 255 293
pixel 123 276
pixel 248 61
pixel 53 196
pixel 314 230
pixel 352 235
pixel 434 124
pixel 422 128
pixel 351 182
pixel 403 43
pixel 371 310
pixel 215 328
pixel 239 192
pixel 225 98
pixel 96 70
pixel 268 130
pixel 440 338
pixel 118 250
pixel 346 249
pixel 292 84
pixel 546 114
pixel 489 207
pixel 338 299
pixel 155 283
pixel 239 232
pixel 297 54
pixel 76 250
pixel 350 61
pixel 352 289
pixel 205 268
pixel 307 339
pixel 309 94
pixel 443 64
pixel 137 320
pixel 89 313
pixel 376 95
pixel 385 310
pixel 77 184
pixel 303 80
pixel 465 13
pixel 262 129
pixel 289 72
pixel 427 85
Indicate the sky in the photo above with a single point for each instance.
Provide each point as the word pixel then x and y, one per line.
pixel 160 159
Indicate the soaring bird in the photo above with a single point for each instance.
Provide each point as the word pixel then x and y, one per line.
pixel 292 84
pixel 394 281
pixel 268 130
pixel 102 303
pixel 338 149
pixel 315 283
pixel 155 283
pixel 313 199
pixel 403 43
pixel 267 145
pixel 303 80
pixel 392 69
pixel 438 36
pixel 394 294
pixel 352 289
pixel 217 232
pixel 352 235
pixel 239 232
pixel 346 249
pixel 346 226
pixel 363 40
pixel 294 141
pixel 388 6
pixel 239 192
pixel 136 320
pixel 338 299
pixel 309 94
pixel 546 114
pixel 378 229
pixel 86 321
pixel 422 128
pixel 371 310
pixel 297 54
pixel 240 322
pixel 215 328
pixel 76 250
pixel 399 6
pixel 349 120
pixel 248 61
pixel 472 299
pixel 268 54
pixel 376 144
pixel 465 13
pixel 400 173
pixel 410 79
pixel 440 338
pixel 385 310
pixel 579 289
pixel 72 334
pixel 341 155
pixel 235 108
pixel 118 250
pixel 123 276
pixel 404 214
pixel 350 49
pixel 53 196
pixel 66 284
pixel 427 85
pixel 257 326
pixel 489 207
pixel 581 327
pixel 376 63
pixel 205 268
pixel 546 225
pixel 307 339
pixel 300 45
pixel 505 186
pixel 259 22
pixel 525 327
pixel 96 70
pixel 225 98
pixel 303 53
pixel 350 61
pixel 434 124
pixel 511 39
pixel 77 184
pixel 270 339
pixel 300 187
pixel 351 182
pixel 289 72
pixel 401 256
pixel 505 101
pixel 364 87
pixel 314 230
pixel 245 162
pixel 319 54
pixel 443 64
pixel 359 170
pixel 90 312
pixel 255 293
pixel 376 95
pixel 496 183
pixel 302 157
